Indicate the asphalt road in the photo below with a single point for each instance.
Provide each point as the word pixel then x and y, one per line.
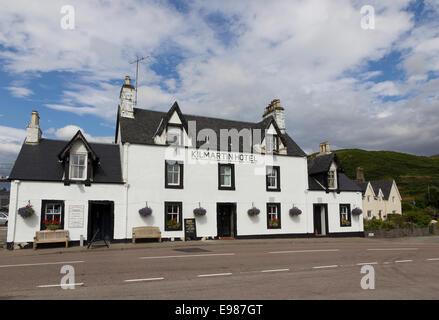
pixel 270 269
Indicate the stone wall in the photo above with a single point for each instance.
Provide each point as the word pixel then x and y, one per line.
pixel 408 232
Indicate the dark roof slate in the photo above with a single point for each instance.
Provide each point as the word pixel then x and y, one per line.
pixel 146 124
pixel 320 163
pixel 40 162
pixel 384 185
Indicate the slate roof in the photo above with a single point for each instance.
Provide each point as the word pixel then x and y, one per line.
pixel 344 184
pixel 320 163
pixel 40 162
pixel 362 185
pixel 146 123
pixel 384 185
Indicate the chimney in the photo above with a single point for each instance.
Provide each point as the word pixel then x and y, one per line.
pixel 360 174
pixel 127 99
pixel 277 111
pixel 33 131
pixel 324 148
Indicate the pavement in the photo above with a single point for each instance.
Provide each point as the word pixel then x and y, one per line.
pixel 321 268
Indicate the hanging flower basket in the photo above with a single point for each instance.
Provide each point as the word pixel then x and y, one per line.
pixel 199 211
pixel 147 211
pixel 26 211
pixel 294 211
pixel 253 211
pixel 357 211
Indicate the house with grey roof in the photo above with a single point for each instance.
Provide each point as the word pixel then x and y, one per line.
pixel 380 197
pixel 228 178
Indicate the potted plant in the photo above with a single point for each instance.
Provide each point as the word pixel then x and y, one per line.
pixel 345 223
pixel 173 224
pixel 357 211
pixel 199 211
pixel 52 224
pixel 294 211
pixel 147 211
pixel 253 211
pixel 26 211
pixel 274 223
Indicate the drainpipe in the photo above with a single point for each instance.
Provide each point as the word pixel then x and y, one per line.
pixel 15 210
pixel 125 164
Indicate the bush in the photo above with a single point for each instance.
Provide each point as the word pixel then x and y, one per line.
pixel 418 217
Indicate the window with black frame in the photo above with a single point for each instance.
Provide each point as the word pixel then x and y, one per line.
pixel 273 216
pixel 173 174
pixel 173 216
pixel 273 178
pixel 226 176
pixel 52 214
pixel 345 215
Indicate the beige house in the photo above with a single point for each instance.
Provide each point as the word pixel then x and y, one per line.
pixel 379 197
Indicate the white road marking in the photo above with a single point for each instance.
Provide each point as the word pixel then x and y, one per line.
pixel 214 274
pixel 147 279
pixel 276 270
pixel 364 263
pixel 390 249
pixel 433 259
pixel 321 267
pixel 399 261
pixel 386 262
pixel 306 251
pixel 59 285
pixel 189 256
pixel 39 264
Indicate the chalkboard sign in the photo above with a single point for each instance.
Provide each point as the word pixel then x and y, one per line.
pixel 190 229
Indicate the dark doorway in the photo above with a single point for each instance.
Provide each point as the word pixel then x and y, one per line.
pixel 226 220
pixel 100 220
pixel 321 227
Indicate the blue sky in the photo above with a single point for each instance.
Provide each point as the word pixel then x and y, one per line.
pixel 373 89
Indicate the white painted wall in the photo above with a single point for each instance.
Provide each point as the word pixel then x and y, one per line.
pixel 146 178
pixel 23 229
pixel 334 200
pixel 144 171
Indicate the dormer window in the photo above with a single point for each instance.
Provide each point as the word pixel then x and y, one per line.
pixel 271 143
pixel 332 177
pixel 174 135
pixel 79 160
pixel 78 166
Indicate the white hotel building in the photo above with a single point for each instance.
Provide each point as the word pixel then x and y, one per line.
pixel 174 163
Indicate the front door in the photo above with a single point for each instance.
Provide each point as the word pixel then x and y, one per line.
pixel 226 220
pixel 320 219
pixel 100 220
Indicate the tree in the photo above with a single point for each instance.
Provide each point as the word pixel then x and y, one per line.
pixel 432 196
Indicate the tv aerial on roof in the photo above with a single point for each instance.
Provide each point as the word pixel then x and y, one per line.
pixel 138 59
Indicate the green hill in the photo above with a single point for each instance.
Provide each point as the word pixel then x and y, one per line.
pixel 412 173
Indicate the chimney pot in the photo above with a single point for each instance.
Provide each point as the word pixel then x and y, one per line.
pixel 324 148
pixel 127 80
pixel 360 174
pixel 33 131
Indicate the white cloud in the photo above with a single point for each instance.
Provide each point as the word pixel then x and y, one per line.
pixel 67 133
pixel 385 88
pixel 19 92
pixel 11 140
pixel 298 51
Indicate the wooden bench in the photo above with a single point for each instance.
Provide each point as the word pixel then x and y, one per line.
pixel 146 233
pixel 51 236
